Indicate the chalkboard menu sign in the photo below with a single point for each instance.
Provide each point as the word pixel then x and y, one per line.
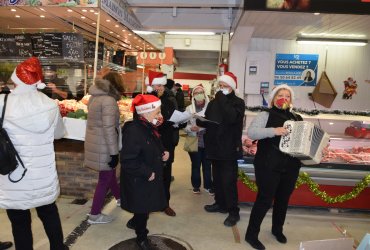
pixel 7 45
pixel 14 46
pixel 23 45
pixel 47 45
pixel 89 49
pixel 73 47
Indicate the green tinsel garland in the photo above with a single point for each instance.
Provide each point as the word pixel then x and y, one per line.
pixel 304 178
pixel 315 111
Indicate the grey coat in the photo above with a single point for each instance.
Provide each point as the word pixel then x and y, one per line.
pixel 101 140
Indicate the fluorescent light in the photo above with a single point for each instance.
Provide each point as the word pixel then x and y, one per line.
pixel 331 41
pixel 143 32
pixel 140 66
pixel 199 33
pixel 333 35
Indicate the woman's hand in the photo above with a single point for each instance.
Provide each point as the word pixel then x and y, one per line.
pixel 194 128
pixel 152 177
pixel 280 131
pixel 165 156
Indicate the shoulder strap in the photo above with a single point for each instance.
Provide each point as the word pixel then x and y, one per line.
pixel 15 151
pixel 3 113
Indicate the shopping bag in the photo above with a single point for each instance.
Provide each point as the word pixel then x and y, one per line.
pixel 191 144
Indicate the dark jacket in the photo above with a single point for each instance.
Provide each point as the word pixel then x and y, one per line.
pixel 223 140
pixel 180 99
pixel 141 155
pixel 268 152
pixel 169 135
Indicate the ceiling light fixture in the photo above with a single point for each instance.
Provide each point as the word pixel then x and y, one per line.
pixel 83 17
pixel 17 16
pixel 84 10
pixel 331 41
pixel 108 20
pixel 143 32
pixel 69 10
pixel 42 16
pixel 92 11
pixel 199 33
pixel 14 10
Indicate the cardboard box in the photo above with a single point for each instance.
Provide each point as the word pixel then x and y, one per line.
pixel 74 128
pixel 324 93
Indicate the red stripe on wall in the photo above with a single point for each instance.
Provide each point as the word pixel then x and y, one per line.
pixel 193 76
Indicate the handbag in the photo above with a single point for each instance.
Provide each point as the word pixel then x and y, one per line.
pixel 8 153
pixel 191 144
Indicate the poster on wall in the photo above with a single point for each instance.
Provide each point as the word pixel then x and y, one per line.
pixel 296 69
pixel 350 88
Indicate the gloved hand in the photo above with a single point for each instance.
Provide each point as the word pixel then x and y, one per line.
pixel 113 162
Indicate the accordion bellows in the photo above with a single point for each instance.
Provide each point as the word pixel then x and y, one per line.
pixel 304 141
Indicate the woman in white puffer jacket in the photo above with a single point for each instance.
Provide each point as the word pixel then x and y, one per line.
pixel 32 121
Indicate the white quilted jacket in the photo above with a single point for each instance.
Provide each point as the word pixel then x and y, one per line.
pixel 31 120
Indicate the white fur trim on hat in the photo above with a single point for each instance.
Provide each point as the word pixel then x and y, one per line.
pixel 16 80
pixel 149 107
pixel 160 81
pixel 149 89
pixel 276 89
pixel 228 80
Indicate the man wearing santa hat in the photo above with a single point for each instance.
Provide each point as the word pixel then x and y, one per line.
pixel 32 121
pixel 155 85
pixel 223 146
pixel 142 157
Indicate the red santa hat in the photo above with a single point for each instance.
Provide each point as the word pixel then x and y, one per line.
pixel 230 79
pixel 276 89
pixel 28 73
pixel 145 103
pixel 154 78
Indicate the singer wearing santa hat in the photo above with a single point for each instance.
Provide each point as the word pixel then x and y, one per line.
pixel 142 156
pixel 32 121
pixel 155 85
pixel 276 172
pixel 223 145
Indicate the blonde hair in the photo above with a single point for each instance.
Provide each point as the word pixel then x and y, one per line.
pixel 277 92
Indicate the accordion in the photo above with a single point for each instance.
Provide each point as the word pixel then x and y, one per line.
pixel 304 141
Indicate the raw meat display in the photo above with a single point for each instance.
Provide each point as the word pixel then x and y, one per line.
pixel 355 155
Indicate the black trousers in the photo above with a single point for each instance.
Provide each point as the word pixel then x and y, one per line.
pixel 21 227
pixel 273 185
pixel 167 173
pixel 225 175
pixel 140 221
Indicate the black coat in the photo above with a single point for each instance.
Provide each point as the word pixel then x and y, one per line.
pixel 169 135
pixel 223 141
pixel 141 154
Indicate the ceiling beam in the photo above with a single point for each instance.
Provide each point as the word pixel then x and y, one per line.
pixel 162 19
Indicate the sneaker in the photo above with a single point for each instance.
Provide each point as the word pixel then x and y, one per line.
pixel 118 201
pixel 99 219
pixel 210 191
pixel 196 191
pixel 231 220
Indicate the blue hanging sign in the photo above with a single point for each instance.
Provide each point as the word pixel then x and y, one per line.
pixel 296 69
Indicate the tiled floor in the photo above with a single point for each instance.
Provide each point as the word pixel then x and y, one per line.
pixel 193 225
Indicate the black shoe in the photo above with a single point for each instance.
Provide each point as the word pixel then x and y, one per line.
pixel 255 243
pixel 144 245
pixel 280 237
pixel 130 224
pixel 231 220
pixel 214 208
pixel 5 245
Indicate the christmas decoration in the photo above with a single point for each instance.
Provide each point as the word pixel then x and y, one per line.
pixel 315 111
pixel 304 178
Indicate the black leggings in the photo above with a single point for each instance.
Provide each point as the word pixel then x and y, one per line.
pixel 21 227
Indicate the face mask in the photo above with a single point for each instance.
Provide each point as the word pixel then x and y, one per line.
pixel 157 122
pixel 282 103
pixel 199 97
pixel 225 91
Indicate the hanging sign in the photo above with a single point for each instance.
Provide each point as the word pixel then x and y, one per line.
pixel 296 69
